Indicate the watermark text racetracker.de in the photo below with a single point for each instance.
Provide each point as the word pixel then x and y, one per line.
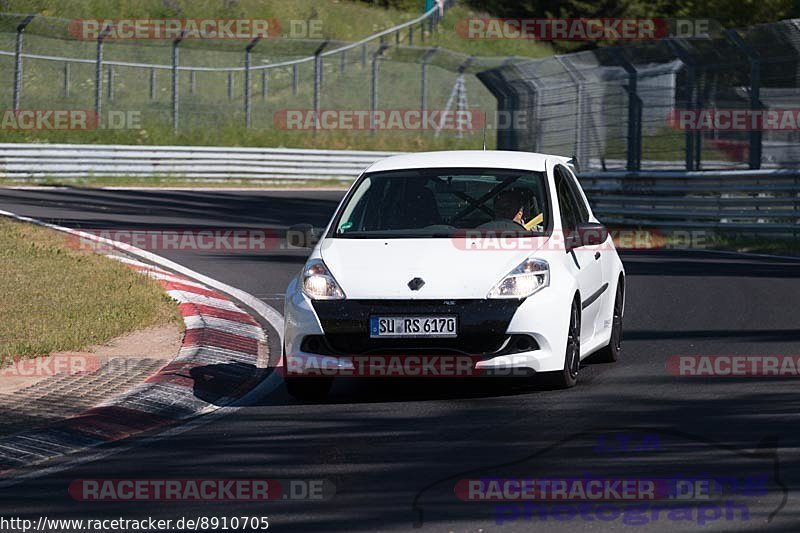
pixel 627 476
pixel 583 29
pixel 43 367
pixel 480 240
pixel 246 29
pixel 402 366
pixel 230 240
pixel 399 119
pixel 211 490
pixel 68 120
pixel 734 366
pixel 716 119
pixel 184 523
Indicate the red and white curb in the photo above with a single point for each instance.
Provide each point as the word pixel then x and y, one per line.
pixel 222 359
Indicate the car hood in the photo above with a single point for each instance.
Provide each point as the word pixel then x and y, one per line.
pixel 450 268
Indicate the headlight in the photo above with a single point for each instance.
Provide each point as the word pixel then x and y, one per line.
pixel 318 283
pixel 528 278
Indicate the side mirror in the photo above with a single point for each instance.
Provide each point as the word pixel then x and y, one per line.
pixel 588 234
pixel 301 236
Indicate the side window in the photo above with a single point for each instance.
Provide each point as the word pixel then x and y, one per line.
pixel 569 178
pixel 570 215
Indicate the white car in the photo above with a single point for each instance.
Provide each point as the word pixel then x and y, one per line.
pixel 493 255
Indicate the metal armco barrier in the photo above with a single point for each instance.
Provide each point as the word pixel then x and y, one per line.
pixel 20 161
pixel 745 201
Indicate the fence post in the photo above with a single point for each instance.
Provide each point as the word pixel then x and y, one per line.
pixel 152 84
pixel 755 94
pixel 423 89
pixel 538 87
pixel 411 35
pixel 691 74
pixel 373 93
pixel 634 154
pixel 110 88
pixel 66 79
pixel 18 61
pixel 192 81
pixel 342 61
pixel 247 51
pixel 175 102
pixel 98 75
pixel 295 79
pixel 230 85
pixel 318 81
pixel 580 118
pixel 364 55
pixel 264 84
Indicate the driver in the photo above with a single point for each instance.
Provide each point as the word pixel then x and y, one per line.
pixel 509 206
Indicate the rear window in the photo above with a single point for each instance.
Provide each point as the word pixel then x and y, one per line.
pixel 444 202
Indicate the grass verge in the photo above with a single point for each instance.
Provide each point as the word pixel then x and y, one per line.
pixel 738 243
pixel 58 297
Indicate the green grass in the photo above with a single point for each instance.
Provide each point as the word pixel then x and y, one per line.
pixel 209 116
pixel 665 144
pixel 447 37
pixel 763 245
pixel 232 135
pixel 57 296
pixel 342 20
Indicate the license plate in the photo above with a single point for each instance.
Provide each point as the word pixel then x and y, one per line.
pixel 413 326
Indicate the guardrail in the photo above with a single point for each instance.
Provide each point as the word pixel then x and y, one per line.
pixel 745 201
pixel 24 161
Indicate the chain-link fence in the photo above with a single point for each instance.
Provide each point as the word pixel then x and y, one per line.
pixel 616 107
pixel 200 85
pixel 663 104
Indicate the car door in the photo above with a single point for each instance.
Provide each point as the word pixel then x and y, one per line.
pixel 584 261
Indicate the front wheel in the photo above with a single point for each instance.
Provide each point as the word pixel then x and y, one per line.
pixel 568 376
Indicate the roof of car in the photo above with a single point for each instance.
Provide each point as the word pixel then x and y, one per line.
pixel 466 159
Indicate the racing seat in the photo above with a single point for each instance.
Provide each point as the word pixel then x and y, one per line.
pixel 417 208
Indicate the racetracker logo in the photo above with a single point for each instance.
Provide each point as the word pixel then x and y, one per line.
pixel 53 365
pixel 623 475
pixel 382 119
pixel 400 366
pixel 570 29
pixel 171 29
pixel 733 366
pixel 206 239
pixel 735 119
pixel 610 489
pixel 248 490
pixel 48 119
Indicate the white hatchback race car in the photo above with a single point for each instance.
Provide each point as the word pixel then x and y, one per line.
pixel 492 255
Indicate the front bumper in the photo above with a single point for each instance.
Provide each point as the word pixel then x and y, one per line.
pixel 497 334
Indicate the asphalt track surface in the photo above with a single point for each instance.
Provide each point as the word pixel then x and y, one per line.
pixel 396 450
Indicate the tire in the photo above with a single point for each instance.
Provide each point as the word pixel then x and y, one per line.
pixel 568 376
pixel 610 352
pixel 308 388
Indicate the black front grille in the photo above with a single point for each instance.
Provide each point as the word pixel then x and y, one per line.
pixel 482 326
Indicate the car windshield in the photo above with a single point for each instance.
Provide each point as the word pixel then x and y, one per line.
pixel 444 203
